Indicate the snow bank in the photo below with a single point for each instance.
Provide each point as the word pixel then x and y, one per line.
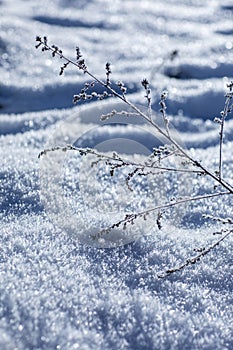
pixel 56 293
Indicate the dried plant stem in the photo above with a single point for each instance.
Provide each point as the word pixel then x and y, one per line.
pixel 115 161
pixel 224 113
pixel 163 111
pixel 131 217
pixel 148 118
pixel 125 162
pixel 196 258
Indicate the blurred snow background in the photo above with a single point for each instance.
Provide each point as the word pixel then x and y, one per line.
pixel 54 292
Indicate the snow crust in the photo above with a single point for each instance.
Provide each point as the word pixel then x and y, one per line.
pixel 55 291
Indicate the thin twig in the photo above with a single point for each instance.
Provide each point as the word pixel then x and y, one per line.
pixel 116 161
pixel 82 66
pixel 125 162
pixel 129 218
pixel 196 258
pixel 227 109
pixel 163 111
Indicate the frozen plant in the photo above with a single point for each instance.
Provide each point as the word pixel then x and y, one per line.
pixel 157 162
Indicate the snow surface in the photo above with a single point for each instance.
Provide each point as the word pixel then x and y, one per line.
pixel 55 292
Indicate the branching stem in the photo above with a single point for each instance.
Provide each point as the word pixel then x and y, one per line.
pixel 131 217
pixel 227 109
pixel 196 258
pixel 116 162
pixel 148 118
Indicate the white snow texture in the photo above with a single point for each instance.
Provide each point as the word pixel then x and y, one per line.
pixel 56 291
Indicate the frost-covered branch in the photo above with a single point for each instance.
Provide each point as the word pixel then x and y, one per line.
pixel 81 65
pixel 202 252
pixel 154 164
pixel 227 109
pixel 130 218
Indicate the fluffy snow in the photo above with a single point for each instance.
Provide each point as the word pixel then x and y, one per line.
pixel 56 292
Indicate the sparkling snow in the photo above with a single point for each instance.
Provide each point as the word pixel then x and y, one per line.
pixel 55 291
